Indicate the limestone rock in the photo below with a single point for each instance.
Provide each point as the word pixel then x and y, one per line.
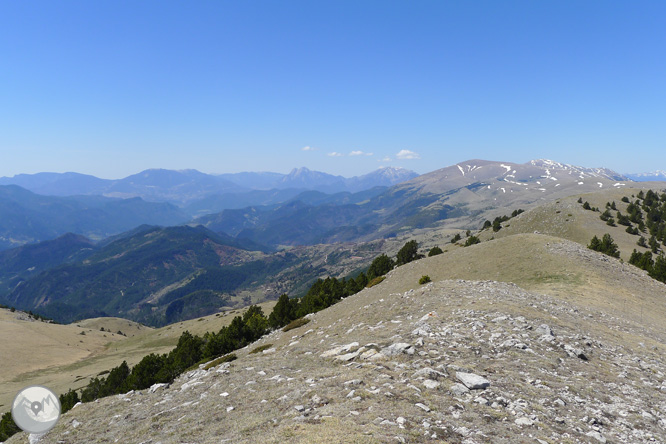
pixel 473 381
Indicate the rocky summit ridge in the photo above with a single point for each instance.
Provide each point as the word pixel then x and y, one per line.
pixel 454 361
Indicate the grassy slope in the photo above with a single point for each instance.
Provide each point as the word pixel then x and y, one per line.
pixel 59 357
pixel 567 219
pixel 542 264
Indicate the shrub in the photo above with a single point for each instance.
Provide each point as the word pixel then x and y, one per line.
pixel 261 348
pixel 375 281
pixel 295 324
pixel 434 251
pixel 472 240
pixel 424 279
pixel 221 360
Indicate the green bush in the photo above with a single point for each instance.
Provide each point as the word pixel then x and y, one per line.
pixel 434 251
pixel 424 279
pixel 472 240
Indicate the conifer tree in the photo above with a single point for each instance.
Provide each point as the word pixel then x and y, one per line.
pixel 380 266
pixel 408 253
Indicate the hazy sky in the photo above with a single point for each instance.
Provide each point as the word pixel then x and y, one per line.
pixel 111 87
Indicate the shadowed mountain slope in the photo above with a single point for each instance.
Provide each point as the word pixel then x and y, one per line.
pixel 20 263
pixel 141 276
pixel 28 217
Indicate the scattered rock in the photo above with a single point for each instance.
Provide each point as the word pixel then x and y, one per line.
pixel 459 389
pixel 429 383
pixel 524 421
pixel 397 349
pixel 473 381
pixel 596 435
pixel 544 330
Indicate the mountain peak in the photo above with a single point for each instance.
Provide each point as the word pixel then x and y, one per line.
pixel 301 171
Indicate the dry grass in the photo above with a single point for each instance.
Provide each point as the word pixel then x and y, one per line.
pixel 261 348
pixel 59 357
pixel 295 324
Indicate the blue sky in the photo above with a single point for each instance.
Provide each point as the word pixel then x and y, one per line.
pixel 111 87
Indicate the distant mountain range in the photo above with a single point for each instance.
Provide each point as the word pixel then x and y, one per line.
pixel 26 217
pixel 158 275
pixel 186 186
pixel 455 195
pixel 658 175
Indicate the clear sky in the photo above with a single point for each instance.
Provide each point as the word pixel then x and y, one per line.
pixel 114 87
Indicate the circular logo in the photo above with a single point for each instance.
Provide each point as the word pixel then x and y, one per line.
pixel 36 409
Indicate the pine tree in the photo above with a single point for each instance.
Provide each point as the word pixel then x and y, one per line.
pixel 609 247
pixel 380 266
pixel 408 253
pixel 595 244
pixel 659 269
pixel 283 313
pixel 361 280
